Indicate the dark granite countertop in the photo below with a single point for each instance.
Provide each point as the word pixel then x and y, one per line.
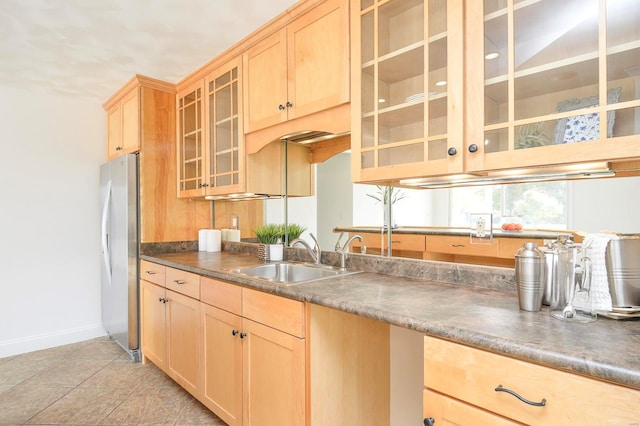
pixel 435 230
pixel 481 317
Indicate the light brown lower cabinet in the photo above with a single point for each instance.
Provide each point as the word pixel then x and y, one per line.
pixel 460 388
pixel 445 248
pixel 222 364
pixel 253 356
pixel 170 325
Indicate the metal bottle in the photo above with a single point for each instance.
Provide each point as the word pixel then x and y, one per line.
pixel 530 276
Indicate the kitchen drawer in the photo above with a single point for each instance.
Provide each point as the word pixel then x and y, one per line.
pixel 459 245
pixel 472 375
pixel 221 294
pixel 449 411
pixel 507 247
pixel 183 282
pixel 152 272
pixel 278 312
pixel 407 242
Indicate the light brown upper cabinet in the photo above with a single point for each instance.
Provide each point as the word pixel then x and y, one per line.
pixel 407 78
pixel 478 87
pixel 300 69
pixel 551 83
pixel 191 145
pixel 123 125
pixel 141 117
pixel 212 160
pixel 124 131
pixel 210 137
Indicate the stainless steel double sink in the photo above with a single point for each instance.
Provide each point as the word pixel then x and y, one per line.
pixel 293 273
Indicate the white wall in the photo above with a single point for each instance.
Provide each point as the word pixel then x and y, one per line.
pixel 605 205
pixel 49 232
pixel 335 199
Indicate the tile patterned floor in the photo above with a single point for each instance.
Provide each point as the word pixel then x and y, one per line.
pixel 93 383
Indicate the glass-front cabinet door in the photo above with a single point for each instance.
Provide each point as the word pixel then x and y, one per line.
pixel 225 140
pixel 191 156
pixel 407 88
pixel 560 82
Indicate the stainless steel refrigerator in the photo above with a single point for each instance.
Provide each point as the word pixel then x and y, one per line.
pixel 120 247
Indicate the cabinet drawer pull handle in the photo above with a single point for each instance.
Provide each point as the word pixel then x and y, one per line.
pixel 526 401
pixel 234 332
pixel 457 245
pixel 151 272
pixel 179 282
pixel 243 335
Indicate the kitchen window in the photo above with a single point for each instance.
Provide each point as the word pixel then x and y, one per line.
pixel 540 205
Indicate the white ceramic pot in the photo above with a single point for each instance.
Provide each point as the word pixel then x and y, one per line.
pixel 276 252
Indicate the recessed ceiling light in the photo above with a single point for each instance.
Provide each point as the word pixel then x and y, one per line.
pixel 382 100
pixel 491 55
pixel 441 83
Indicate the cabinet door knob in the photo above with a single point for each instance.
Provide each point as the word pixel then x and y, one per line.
pixel 234 332
pixel 526 401
pixel 289 104
pixel 281 107
pixel 429 421
pixel 473 147
pixel 243 335
pixel 452 151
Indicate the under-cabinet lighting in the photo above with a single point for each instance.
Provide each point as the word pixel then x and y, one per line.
pixel 540 174
pixel 240 196
pixel 491 55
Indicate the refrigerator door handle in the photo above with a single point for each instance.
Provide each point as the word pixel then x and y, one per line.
pixel 105 235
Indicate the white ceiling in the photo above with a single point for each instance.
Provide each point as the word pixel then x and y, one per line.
pixel 90 48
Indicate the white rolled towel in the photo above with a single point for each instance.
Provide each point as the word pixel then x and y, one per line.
pixel 233 235
pixel 214 238
pixel 202 240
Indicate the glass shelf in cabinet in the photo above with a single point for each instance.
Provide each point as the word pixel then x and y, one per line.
pixel 401 115
pixel 226 120
pixel 401 64
pixel 544 30
pixel 226 151
pixel 577 80
pixel 402 22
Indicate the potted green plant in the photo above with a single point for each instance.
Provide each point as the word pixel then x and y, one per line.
pixel 294 231
pixel 270 238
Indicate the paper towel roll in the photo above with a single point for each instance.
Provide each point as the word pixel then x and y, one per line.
pixel 225 234
pixel 214 238
pixel 202 240
pixel 233 235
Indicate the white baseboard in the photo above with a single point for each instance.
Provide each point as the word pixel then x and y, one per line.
pixel 50 340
